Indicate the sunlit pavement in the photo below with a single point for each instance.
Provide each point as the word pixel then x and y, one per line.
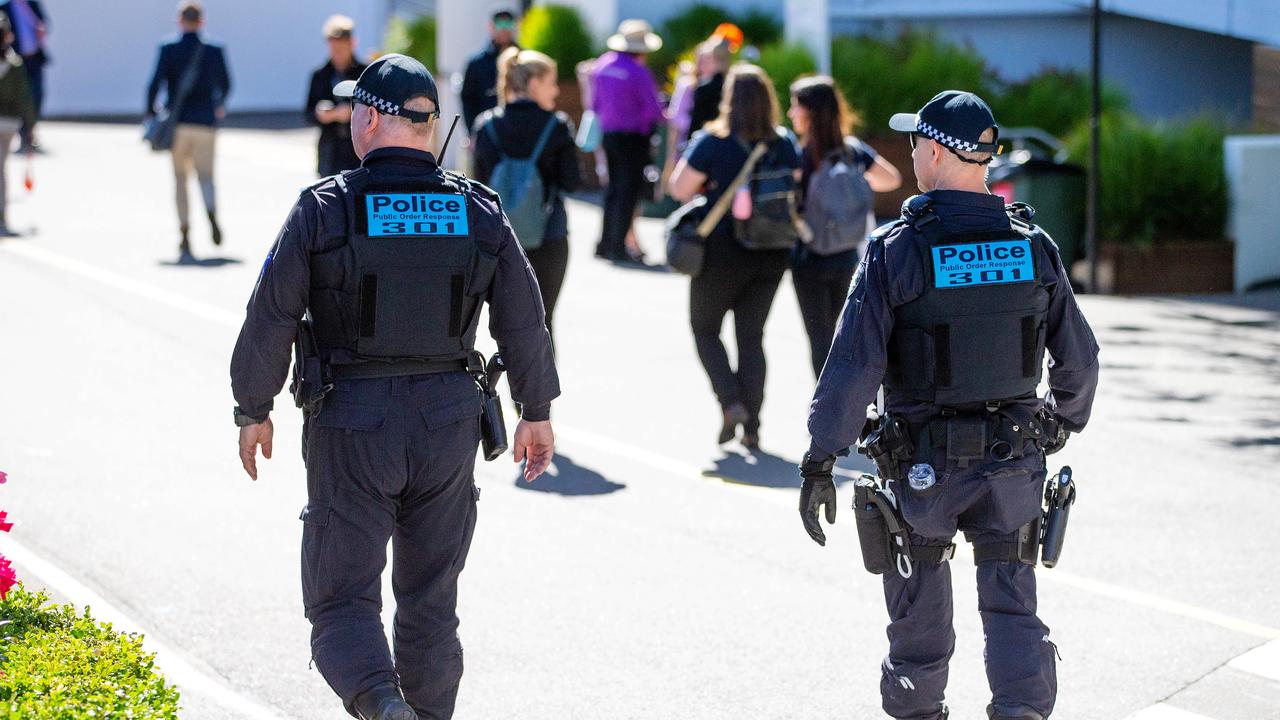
pixel 651 575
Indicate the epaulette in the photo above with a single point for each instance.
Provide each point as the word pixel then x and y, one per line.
pixel 886 229
pixel 474 186
pixel 1020 215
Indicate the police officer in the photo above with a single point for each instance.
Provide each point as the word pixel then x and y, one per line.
pixel 952 309
pixel 391 263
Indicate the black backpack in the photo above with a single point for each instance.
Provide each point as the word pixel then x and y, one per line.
pixel 772 225
pixel 837 202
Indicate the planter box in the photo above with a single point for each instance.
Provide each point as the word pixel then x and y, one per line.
pixel 1201 266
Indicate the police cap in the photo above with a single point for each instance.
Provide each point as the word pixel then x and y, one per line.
pixel 388 83
pixel 953 118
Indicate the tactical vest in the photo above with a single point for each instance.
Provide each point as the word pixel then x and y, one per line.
pixel 402 294
pixel 977 332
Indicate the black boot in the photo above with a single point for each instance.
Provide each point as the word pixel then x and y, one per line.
pixel 734 415
pixel 383 702
pixel 217 232
pixel 184 248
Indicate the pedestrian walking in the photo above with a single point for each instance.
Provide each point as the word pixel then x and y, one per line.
pixel 30 25
pixel 200 111
pixel 390 264
pixel 953 309
pixel 333 115
pixel 524 129
pixel 16 108
pixel 480 79
pixel 713 56
pixel 625 101
pixel 741 272
pixel 839 176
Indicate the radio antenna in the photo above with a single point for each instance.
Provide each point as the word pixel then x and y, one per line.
pixel 448 137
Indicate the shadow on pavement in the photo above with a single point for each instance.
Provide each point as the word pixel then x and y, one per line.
pixel 757 468
pixel 565 477
pixel 188 261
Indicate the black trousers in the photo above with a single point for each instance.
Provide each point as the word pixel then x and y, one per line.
pixel 549 264
pixel 626 154
pixel 390 459
pixel 746 288
pixel 822 285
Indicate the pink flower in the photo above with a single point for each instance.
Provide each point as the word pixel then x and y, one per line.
pixel 3 477
pixel 5 525
pixel 8 578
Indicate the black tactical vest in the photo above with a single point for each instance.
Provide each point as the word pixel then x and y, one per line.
pixel 402 294
pixel 977 332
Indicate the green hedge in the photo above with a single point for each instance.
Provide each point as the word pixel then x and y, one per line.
pixel 1158 182
pixel 682 32
pixel 785 63
pixel 415 38
pixel 1054 100
pixel 57 664
pixel 561 33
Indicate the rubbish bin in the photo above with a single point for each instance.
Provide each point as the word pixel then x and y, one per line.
pixel 1056 189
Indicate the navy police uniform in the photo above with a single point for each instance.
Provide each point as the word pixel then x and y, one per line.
pixel 392 262
pixel 952 310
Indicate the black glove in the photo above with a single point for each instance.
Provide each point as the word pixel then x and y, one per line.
pixel 818 489
pixel 1055 434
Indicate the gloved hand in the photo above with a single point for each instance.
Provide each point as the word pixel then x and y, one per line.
pixel 817 489
pixel 1055 435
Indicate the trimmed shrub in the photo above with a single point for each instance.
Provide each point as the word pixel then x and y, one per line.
pixel 1158 182
pixel 415 38
pixel 785 63
pixel 1054 100
pixel 682 32
pixel 883 76
pixel 57 664
pixel 561 33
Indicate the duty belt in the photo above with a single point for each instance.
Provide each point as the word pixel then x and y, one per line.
pixel 395 368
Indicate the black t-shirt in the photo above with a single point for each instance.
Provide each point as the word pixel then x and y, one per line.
pixel 720 159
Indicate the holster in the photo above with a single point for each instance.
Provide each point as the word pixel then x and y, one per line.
pixel 889 445
pixel 493 427
pixel 884 536
pixel 308 384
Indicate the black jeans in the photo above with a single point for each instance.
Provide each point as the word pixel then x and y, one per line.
pixel 627 154
pixel 746 288
pixel 549 264
pixel 822 285
pixel 390 459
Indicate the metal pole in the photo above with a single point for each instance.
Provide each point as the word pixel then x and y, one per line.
pixel 1095 152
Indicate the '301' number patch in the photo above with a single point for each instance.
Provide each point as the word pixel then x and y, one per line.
pixel 416 214
pixel 982 263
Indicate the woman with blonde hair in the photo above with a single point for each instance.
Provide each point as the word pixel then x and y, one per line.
pixel 527 92
pixel 734 277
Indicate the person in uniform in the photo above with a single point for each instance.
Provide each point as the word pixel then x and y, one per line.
pixel 390 263
pixel 952 309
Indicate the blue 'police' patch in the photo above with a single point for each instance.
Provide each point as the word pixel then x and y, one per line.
pixel 982 263
pixel 416 214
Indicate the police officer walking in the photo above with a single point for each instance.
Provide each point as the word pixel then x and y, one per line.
pixel 952 309
pixel 390 263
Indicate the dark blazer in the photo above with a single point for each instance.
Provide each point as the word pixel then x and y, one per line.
pixel 38 8
pixel 212 86
pixel 480 84
pixel 518 126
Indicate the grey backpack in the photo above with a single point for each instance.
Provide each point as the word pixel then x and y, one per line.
pixel 837 202
pixel 519 184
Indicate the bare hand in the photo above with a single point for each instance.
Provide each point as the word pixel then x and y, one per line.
pixel 535 443
pixel 251 436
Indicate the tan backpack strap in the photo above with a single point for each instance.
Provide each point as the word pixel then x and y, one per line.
pixel 722 205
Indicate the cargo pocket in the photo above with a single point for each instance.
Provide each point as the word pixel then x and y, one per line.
pixel 351 416
pixel 1014 499
pixel 447 412
pixel 316 580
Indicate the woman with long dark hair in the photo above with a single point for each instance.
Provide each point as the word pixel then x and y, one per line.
pixel 823 266
pixel 734 278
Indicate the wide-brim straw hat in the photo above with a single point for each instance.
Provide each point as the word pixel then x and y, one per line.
pixel 634 36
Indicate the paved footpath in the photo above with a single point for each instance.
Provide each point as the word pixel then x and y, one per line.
pixel 650 575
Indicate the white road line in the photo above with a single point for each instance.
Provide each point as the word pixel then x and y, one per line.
pixel 642 455
pixel 1263 661
pixel 1162 711
pixel 175 667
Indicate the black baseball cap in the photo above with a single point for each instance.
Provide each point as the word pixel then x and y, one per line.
pixel 388 83
pixel 954 119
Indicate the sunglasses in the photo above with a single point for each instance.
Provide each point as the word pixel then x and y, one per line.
pixel 911 138
pixel 504 24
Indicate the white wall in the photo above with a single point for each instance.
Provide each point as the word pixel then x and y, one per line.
pixel 104 50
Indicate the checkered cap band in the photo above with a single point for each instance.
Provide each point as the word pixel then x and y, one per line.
pixel 954 143
pixel 364 96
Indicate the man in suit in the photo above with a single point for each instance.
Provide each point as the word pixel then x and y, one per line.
pixel 198 113
pixel 30 25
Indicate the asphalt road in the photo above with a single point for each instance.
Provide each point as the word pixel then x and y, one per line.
pixel 651 575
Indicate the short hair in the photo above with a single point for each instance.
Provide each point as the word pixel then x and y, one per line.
pixel 718 49
pixel 503 15
pixel 190 11
pixel 339 26
pixel 421 103
pixel 517 67
pixel 987 136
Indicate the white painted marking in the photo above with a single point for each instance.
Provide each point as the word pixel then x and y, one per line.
pixel 1161 711
pixel 1263 661
pixel 174 666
